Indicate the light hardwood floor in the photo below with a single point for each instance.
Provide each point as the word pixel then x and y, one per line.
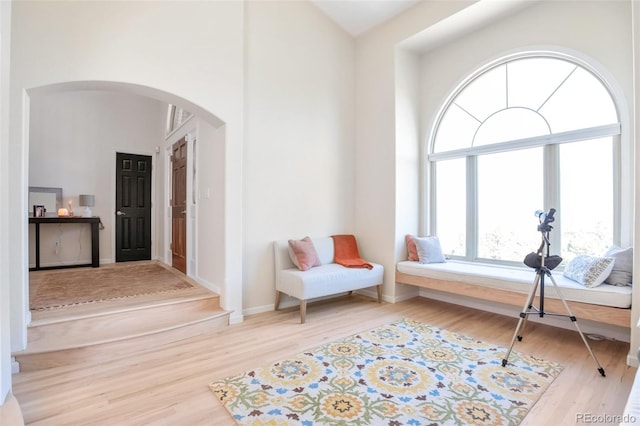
pixel 169 385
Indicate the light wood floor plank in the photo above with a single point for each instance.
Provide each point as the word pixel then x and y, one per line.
pixel 169 385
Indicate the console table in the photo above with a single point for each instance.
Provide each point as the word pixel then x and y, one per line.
pixel 95 238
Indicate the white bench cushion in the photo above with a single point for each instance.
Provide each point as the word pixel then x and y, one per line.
pixel 519 280
pixel 327 280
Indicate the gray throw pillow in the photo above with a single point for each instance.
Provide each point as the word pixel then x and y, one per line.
pixel 622 273
pixel 429 250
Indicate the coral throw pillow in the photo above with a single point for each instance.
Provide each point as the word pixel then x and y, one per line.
pixel 303 254
pixel 411 248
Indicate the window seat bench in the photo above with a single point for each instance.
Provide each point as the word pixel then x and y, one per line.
pixel 605 304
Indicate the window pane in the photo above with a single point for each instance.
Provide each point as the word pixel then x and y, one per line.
pixel 581 102
pixel 451 206
pixel 455 131
pixel 586 190
pixel 533 80
pixel 509 192
pixel 510 125
pixel 486 94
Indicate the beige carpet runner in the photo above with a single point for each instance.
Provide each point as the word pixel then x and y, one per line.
pixel 59 288
pixel 405 373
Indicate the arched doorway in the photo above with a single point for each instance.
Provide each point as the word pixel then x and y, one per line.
pixel 211 124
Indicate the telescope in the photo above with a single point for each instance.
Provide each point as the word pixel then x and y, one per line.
pixel 545 219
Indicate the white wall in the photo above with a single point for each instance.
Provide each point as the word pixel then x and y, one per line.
pixel 5 214
pixel 210 212
pixel 298 162
pixel 380 155
pixel 74 136
pixel 635 313
pixel 408 207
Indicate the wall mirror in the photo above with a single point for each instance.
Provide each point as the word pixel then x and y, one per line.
pixel 50 198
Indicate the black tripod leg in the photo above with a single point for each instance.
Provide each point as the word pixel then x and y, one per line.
pixel 522 320
pixel 575 323
pixel 537 282
pixel 524 316
pixel 525 313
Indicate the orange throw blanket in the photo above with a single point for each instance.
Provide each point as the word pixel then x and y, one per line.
pixel 346 252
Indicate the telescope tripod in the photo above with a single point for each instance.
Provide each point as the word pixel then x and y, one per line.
pixel 529 308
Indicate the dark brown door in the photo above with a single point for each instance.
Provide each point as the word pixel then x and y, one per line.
pixel 179 205
pixel 133 207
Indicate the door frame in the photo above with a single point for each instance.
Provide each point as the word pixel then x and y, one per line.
pixel 111 221
pixel 191 234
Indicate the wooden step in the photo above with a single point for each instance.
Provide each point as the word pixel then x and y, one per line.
pixel 112 306
pixel 90 333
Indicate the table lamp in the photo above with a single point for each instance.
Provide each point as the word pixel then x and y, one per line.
pixel 87 201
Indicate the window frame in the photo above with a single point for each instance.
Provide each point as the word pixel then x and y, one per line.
pixel 551 160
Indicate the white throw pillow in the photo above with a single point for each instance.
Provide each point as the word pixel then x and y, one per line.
pixel 429 250
pixel 622 273
pixel 590 271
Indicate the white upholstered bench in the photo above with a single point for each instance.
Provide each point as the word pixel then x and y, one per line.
pixel 325 280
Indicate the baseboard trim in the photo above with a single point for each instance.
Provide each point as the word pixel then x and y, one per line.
pixel 10 412
pixel 206 284
pixel 289 302
pixel 632 360
pixel 235 319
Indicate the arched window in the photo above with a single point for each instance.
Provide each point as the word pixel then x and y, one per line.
pixel 527 134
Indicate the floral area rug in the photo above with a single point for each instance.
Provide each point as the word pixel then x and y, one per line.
pixel 405 373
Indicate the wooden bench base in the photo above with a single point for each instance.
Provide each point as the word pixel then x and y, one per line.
pixel 303 303
pixel 602 314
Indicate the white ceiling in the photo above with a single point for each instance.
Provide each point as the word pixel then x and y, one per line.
pixel 358 16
